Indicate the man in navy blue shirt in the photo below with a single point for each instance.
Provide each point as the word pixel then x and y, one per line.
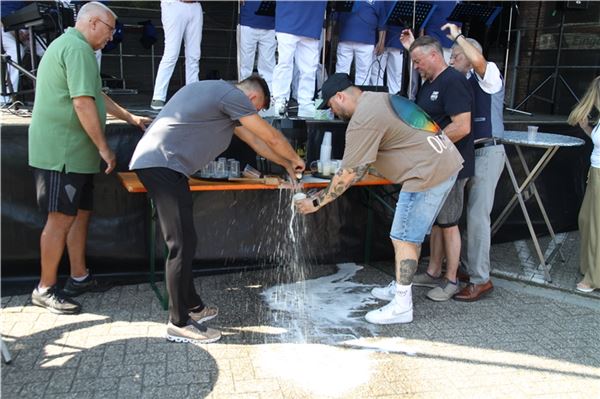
pixel 446 96
pixel 256 30
pixel 298 26
pixel 361 37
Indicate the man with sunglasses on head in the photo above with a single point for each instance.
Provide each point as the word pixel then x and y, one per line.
pixel 66 144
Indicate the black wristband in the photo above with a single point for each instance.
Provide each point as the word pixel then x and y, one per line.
pixel 457 36
pixel 316 202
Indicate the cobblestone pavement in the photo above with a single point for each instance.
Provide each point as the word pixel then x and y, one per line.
pixel 285 338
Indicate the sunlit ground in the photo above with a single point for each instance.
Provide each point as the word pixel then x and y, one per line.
pixel 351 368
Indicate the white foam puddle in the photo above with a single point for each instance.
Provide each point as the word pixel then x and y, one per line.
pixel 323 305
pixel 320 370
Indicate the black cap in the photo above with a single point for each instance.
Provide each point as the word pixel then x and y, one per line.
pixel 336 82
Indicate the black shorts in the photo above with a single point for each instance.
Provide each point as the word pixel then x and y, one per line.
pixel 452 209
pixel 64 192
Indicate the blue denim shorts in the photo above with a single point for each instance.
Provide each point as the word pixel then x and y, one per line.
pixel 416 212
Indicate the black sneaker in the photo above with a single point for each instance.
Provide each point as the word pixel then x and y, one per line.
pixel 90 284
pixel 55 302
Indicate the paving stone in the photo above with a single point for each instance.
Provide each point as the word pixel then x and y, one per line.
pixel 518 342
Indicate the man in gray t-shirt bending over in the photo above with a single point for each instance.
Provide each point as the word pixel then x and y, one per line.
pixel 193 128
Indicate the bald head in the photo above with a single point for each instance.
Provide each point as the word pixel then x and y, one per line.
pixel 94 9
pixel 97 23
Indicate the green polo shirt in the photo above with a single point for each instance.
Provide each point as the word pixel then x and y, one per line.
pixel 57 141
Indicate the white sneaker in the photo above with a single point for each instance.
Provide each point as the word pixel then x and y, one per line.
pixel 307 111
pixel 391 313
pixel 385 293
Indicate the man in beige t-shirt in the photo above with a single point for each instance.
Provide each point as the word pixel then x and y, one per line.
pixel 396 137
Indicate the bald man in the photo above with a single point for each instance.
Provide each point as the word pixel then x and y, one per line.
pixel 66 145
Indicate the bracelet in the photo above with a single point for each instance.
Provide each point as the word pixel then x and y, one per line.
pixel 457 36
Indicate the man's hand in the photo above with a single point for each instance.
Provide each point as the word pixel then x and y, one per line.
pixel 407 38
pixel 453 31
pixel 140 121
pixel 298 165
pixel 109 157
pixel 306 206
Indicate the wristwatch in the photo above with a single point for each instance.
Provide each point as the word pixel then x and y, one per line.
pixel 316 202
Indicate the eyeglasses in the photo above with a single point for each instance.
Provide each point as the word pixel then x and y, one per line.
pixel 113 29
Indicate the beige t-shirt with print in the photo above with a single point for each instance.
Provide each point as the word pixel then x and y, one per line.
pixel 417 159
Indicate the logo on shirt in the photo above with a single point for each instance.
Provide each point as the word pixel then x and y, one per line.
pixel 434 95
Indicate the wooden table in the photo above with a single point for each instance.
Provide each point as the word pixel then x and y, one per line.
pixel 132 184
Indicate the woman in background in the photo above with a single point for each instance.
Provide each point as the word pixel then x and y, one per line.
pixel 589 215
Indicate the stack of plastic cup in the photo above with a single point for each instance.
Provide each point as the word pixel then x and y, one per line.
pixel 325 155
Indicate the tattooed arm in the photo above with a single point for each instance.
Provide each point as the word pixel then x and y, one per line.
pixel 340 182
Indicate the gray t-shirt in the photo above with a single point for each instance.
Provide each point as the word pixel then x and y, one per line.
pixel 193 128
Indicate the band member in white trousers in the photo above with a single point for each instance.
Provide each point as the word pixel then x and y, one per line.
pixel 181 20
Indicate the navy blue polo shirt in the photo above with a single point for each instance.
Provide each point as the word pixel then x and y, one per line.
pixel 450 94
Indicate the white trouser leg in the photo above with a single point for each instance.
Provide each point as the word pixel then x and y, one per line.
pixel 267 45
pixel 378 70
pixel 193 40
pixel 9 43
pixel 345 53
pixel 172 17
pixel 307 59
pixel 249 37
pixel 394 70
pixel 283 72
pixel 362 62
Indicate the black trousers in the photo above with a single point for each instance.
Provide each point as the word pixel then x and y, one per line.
pixel 173 200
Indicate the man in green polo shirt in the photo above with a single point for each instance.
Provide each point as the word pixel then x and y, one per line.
pixel 66 144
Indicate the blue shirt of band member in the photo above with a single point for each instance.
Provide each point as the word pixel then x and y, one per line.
pixel 438 18
pixel 450 94
pixel 249 18
pixel 300 18
pixel 361 25
pixel 8 7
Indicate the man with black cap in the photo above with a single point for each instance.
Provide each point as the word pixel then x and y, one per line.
pixel 396 137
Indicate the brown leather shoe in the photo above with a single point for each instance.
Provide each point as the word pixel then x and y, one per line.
pixel 474 292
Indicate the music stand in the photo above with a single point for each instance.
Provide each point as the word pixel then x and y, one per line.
pixel 266 8
pixel 468 13
pixel 402 14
